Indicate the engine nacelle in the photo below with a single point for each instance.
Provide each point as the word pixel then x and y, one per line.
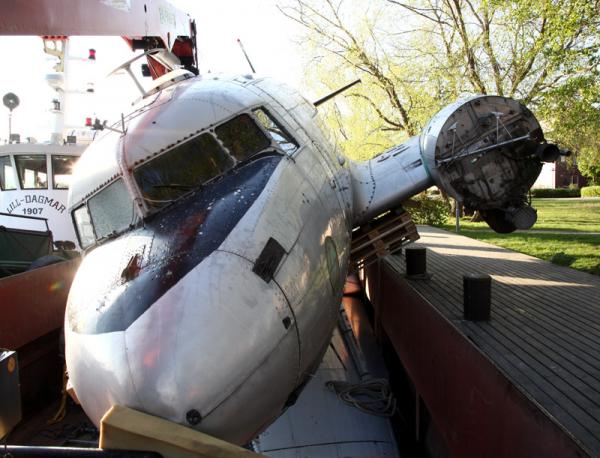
pixel 485 151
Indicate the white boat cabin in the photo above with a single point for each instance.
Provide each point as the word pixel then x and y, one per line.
pixel 34 182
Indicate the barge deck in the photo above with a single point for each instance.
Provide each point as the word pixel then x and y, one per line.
pixel 524 383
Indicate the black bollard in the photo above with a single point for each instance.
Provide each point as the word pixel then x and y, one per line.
pixel 416 262
pixel 477 294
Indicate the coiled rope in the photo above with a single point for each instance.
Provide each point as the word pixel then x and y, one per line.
pixel 370 396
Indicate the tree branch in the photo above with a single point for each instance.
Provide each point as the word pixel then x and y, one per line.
pixel 394 124
pixel 457 17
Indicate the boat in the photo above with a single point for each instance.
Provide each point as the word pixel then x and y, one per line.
pixel 35 177
pixel 34 223
pixel 39 252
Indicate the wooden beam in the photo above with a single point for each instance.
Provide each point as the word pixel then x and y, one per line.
pixel 127 429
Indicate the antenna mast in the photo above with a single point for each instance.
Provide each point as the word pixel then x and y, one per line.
pixel 334 93
pixel 246 55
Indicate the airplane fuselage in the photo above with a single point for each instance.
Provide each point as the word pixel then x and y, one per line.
pixel 218 224
pixel 226 296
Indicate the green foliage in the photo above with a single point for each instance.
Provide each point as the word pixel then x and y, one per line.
pixel 573 115
pixel 432 211
pixel 590 191
pixel 416 56
pixel 555 193
pixel 562 259
pixel 589 164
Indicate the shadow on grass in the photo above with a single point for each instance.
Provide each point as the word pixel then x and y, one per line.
pixel 562 259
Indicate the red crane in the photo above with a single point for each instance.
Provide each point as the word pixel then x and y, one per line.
pixel 144 24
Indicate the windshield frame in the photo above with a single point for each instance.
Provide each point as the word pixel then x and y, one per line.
pixel 76 226
pixel 270 147
pixel 136 219
pixel 284 131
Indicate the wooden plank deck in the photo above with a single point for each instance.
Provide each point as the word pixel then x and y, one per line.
pixel 544 334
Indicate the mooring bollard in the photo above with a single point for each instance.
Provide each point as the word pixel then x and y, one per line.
pixel 416 261
pixel 477 294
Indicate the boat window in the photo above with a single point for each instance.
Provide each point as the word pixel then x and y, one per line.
pixel 276 131
pixel 7 177
pixel 181 169
pixel 242 137
pixel 111 210
pixel 32 171
pixel 62 168
pixel 85 231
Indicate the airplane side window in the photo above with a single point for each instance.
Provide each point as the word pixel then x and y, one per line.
pixel 7 177
pixel 111 210
pixel 276 131
pixel 62 169
pixel 242 137
pixel 181 169
pixel 32 170
pixel 83 222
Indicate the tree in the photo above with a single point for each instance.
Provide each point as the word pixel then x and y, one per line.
pixel 415 56
pixel 572 113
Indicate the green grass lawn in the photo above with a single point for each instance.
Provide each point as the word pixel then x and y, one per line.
pixel 573 215
pixel 579 251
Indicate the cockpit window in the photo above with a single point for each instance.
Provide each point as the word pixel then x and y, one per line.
pixel 111 210
pixel 108 212
pixel 193 163
pixel 62 168
pixel 32 171
pixel 7 177
pixel 242 137
pixel 276 131
pixel 85 230
pixel 182 169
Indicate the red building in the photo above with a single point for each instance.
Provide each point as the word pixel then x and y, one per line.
pixel 560 174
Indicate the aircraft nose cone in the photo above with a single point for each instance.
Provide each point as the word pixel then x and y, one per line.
pixel 162 321
pixel 215 344
pixel 219 343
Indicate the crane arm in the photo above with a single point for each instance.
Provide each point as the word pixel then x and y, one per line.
pixel 144 24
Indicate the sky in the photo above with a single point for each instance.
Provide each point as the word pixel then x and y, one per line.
pixel 270 39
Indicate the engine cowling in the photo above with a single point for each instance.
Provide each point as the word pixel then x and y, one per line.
pixel 484 151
